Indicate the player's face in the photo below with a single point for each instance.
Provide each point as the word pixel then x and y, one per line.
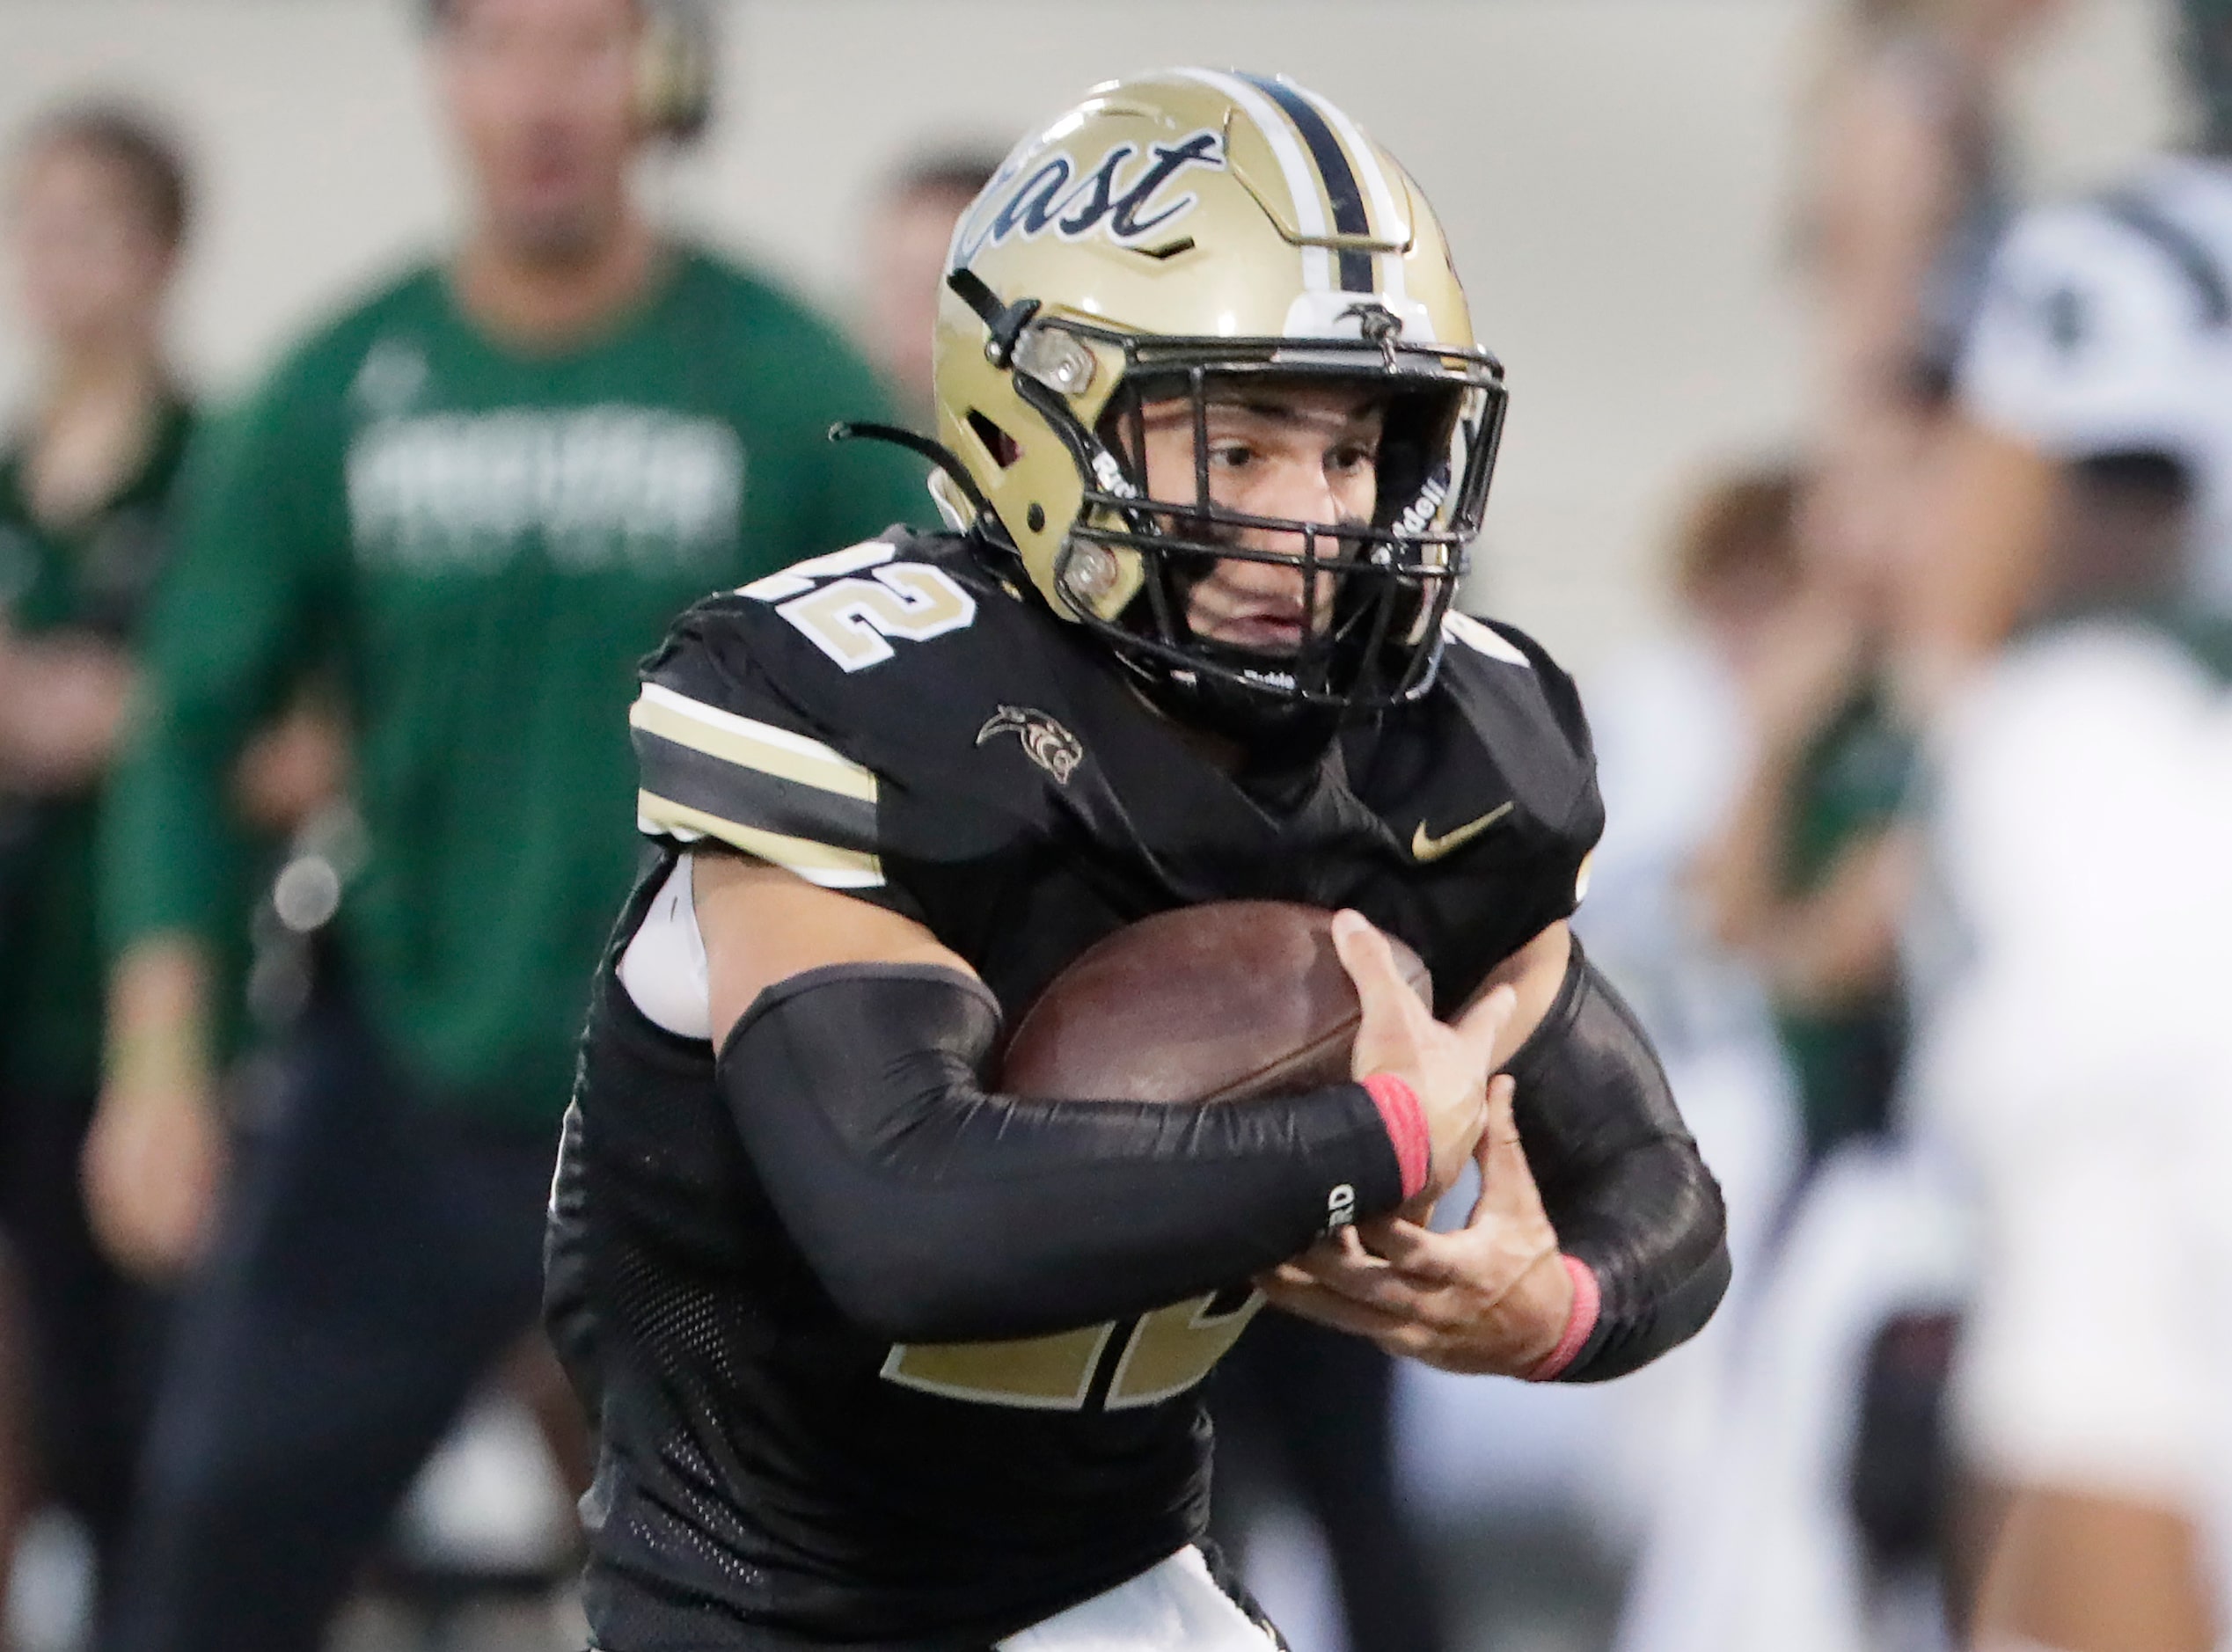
pixel 542 95
pixel 1301 451
pixel 90 267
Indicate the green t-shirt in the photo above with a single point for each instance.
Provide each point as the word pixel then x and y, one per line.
pixel 478 543
pixel 1853 783
pixel 93 576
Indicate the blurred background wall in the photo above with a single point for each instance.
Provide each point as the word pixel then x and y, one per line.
pixel 1615 175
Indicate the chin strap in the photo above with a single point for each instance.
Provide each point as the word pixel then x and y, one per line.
pixel 937 452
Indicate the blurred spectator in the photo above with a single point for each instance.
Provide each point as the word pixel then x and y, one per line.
pixel 100 207
pixel 904 246
pixel 1674 739
pixel 1813 880
pixel 1673 732
pixel 1736 562
pixel 1826 1527
pixel 1811 876
pixel 1806 1508
pixel 1909 198
pixel 472 500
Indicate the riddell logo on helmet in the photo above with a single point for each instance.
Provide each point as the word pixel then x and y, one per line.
pixel 1111 195
pixel 1110 475
pixel 1419 514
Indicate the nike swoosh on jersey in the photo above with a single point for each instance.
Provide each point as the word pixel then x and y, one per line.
pixel 1424 846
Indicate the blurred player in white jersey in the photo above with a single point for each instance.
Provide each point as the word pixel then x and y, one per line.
pixel 2073 1039
pixel 2106 328
pixel 2076 1055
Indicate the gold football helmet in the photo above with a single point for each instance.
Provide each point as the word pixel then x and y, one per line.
pixel 1167 238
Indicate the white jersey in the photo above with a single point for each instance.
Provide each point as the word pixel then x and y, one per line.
pixel 2079 1058
pixel 2106 327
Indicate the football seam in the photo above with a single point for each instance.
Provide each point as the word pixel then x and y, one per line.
pixel 1242 1088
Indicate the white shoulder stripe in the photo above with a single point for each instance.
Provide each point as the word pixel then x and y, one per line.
pixel 660 711
pixel 1301 177
pixel 1481 639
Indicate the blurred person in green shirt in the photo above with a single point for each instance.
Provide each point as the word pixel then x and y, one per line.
pixel 98 205
pixel 471 502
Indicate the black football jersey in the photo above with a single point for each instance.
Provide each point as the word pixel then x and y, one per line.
pixel 902 722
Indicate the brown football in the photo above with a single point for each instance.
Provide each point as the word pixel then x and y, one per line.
pixel 1214 1003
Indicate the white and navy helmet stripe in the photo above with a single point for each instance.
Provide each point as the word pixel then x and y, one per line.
pixel 1335 181
pixel 1294 165
pixel 1394 222
pixel 1342 192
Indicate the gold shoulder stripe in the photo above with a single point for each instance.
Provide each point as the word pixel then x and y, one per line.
pixel 704 728
pixel 817 863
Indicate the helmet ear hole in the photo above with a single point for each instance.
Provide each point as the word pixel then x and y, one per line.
pixel 1004 448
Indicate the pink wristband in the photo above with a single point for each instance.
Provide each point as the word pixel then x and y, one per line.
pixel 1405 1124
pixel 1587 1299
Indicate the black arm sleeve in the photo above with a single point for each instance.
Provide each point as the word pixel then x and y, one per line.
pixel 1622 1179
pixel 569 1318
pixel 933 1211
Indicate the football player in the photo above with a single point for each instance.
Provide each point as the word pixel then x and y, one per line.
pixel 2088 502
pixel 883 1357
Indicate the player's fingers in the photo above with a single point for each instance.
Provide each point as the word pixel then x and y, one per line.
pixel 1340 1267
pixel 1371 962
pixel 1411 1341
pixel 1380 1284
pixel 1418 1254
pixel 1499 1141
pixel 1327 1254
pixel 1507 1181
pixel 1483 1161
pixel 1387 1297
pixel 1482 1027
pixel 1313 1302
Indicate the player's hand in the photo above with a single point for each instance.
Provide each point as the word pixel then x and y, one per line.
pixel 1491 1299
pixel 1445 1066
pixel 153 1163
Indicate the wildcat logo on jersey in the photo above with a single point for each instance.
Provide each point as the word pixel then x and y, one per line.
pixel 1045 741
pixel 1120 194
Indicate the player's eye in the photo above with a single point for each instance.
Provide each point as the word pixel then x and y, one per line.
pixel 1230 456
pixel 1350 459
